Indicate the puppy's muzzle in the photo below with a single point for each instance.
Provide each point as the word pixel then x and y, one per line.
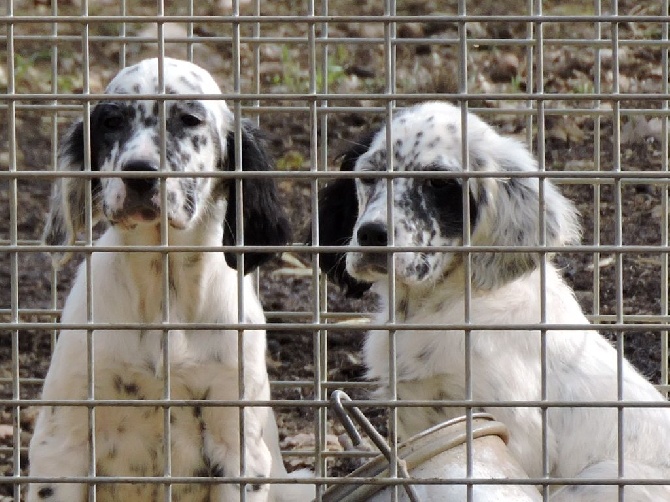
pixel 141 186
pixel 373 233
pixel 141 191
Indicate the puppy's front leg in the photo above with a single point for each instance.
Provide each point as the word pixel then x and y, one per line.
pixel 59 449
pixel 222 449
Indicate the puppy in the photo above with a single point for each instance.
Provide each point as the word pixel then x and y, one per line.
pixel 430 288
pixel 127 287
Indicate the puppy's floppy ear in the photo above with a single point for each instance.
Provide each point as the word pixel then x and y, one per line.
pixel 67 212
pixel 338 211
pixel 264 219
pixel 509 215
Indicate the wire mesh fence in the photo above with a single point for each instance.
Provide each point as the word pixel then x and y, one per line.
pixel 584 85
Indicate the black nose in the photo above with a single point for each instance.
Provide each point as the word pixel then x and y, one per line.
pixel 372 234
pixel 144 184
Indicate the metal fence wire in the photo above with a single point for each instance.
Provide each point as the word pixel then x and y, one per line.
pixel 583 84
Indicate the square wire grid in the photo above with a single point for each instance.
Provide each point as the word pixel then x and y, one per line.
pixel 586 86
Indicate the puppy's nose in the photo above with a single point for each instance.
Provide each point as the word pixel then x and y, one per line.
pixel 372 234
pixel 144 184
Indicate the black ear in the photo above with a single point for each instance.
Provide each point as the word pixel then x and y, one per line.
pixel 264 219
pixel 338 211
pixel 67 211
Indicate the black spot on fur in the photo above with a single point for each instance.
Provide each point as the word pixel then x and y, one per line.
pixel 190 84
pixel 117 381
pixel 149 412
pixel 422 270
pixel 148 364
pixel 184 159
pixel 195 141
pixel 111 125
pixel 217 471
pixel 441 396
pixel 202 472
pixel 45 492
pixel 192 260
pixel 122 387
pixel 138 469
pixel 131 389
pixel 423 356
pixel 150 121
pixel 444 202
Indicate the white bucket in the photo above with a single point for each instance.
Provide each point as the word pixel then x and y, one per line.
pixel 440 453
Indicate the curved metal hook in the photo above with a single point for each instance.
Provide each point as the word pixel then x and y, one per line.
pixel 345 415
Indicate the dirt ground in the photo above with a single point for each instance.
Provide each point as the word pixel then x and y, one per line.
pixel 286 285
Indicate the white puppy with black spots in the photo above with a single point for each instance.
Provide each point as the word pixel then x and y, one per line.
pixel 127 288
pixel 506 364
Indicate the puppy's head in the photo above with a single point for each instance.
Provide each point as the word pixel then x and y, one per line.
pixel 125 137
pixel 428 209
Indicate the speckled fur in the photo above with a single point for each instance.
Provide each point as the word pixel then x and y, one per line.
pixel 506 289
pixel 127 288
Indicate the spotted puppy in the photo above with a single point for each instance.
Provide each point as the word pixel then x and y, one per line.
pixel 127 288
pixel 506 364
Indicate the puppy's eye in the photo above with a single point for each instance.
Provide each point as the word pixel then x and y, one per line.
pixel 441 183
pixel 190 120
pixel 368 181
pixel 113 121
